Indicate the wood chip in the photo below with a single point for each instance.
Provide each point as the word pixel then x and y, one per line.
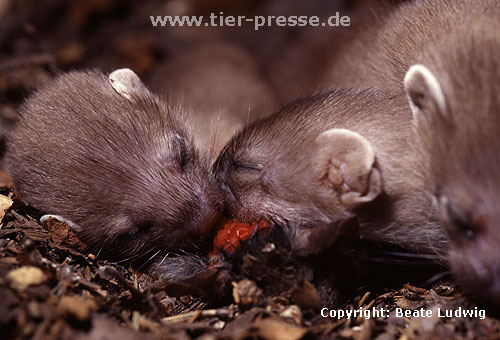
pixel 272 329
pixel 5 204
pixel 23 277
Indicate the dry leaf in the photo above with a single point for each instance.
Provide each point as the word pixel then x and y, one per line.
pixel 23 277
pixel 271 329
pixel 5 204
pixel 76 306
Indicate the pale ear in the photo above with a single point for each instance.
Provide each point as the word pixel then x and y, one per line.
pixel 346 160
pixel 424 93
pixel 46 220
pixel 127 83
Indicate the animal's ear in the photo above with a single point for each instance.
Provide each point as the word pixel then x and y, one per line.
pixel 48 220
pixel 424 93
pixel 346 161
pixel 127 83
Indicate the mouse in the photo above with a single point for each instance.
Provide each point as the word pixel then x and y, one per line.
pixel 330 164
pixel 444 56
pixel 115 161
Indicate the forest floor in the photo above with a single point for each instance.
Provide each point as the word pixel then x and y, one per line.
pixel 51 288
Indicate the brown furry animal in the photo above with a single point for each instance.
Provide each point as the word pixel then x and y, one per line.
pixel 115 160
pixel 323 160
pixel 448 54
pixel 454 95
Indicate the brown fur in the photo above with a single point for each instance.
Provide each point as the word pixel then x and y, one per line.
pixel 461 148
pixel 125 171
pixel 223 91
pixel 394 40
pixel 266 170
pixel 459 43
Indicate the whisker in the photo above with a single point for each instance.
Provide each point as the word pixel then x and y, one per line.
pixel 123 261
pixel 99 252
pixel 149 260
pixel 162 260
pixel 132 257
pixel 438 277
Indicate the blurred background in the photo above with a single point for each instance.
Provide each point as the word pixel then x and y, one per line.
pixel 222 77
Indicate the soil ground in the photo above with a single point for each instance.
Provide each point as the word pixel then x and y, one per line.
pixel 51 288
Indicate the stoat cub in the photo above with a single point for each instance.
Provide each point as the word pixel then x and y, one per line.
pixel 446 56
pixel 323 161
pixel 115 161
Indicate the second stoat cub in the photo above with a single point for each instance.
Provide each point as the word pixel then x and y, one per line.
pixel 453 88
pixel 447 55
pixel 323 160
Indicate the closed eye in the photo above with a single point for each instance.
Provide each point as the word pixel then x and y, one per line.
pixel 461 222
pixel 247 167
